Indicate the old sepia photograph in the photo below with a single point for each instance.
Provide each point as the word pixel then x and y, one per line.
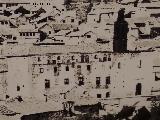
pixel 79 59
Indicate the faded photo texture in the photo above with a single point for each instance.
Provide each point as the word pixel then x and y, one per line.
pixel 79 59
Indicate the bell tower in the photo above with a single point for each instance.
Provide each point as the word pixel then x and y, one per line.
pixel 120 33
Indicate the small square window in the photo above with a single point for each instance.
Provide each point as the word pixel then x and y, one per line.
pixel 88 36
pixel 14 38
pixel 9 36
pixel 109 58
pixel 64 21
pixel 72 20
pixel 104 59
pixel 66 81
pixel 99 95
pixel 54 61
pixel 78 66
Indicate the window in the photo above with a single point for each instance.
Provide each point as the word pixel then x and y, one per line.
pixel 64 21
pixel 87 58
pixel 140 63
pixel 99 95
pixel 24 34
pixel 7 96
pixel 82 58
pixel 48 62
pixel 88 36
pixel 49 32
pixel 47 84
pixel 41 70
pixel 109 57
pixel 78 66
pixel 108 80
pixel 72 20
pixel 6 22
pixel 2 22
pixel 58 58
pixel 27 34
pixel 138 89
pixel 73 57
pixel 107 94
pixel 119 65
pixel 39 59
pixel 14 38
pixel 81 81
pixel 67 68
pixel 66 81
pixel 9 36
pixel 30 34
pixel 21 34
pixel 18 88
pixel 54 61
pixel 89 67
pixel 1 5
pixel 95 57
pixel 157 76
pixel 55 70
pixel 33 34
pixel 104 59
pixel 98 82
pixel 73 64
